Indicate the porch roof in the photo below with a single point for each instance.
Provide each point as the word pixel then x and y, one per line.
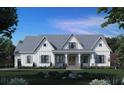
pixel 83 51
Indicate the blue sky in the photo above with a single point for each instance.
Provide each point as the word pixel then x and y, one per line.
pixel 37 21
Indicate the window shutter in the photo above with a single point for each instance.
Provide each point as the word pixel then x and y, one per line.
pixel 25 59
pixel 104 58
pixel 31 59
pixel 49 59
pixel 96 58
pixel 41 58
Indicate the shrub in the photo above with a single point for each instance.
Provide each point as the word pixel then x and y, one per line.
pixel 99 82
pixel 72 75
pixel 52 74
pixel 17 81
pixel 101 76
pixel 116 81
pixel 80 76
pixel 97 75
pixel 41 74
pixel 4 80
pixel 110 81
pixel 66 73
pixel 86 75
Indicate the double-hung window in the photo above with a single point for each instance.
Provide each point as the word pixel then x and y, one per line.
pixel 59 58
pixel 84 58
pixel 44 59
pixel 100 58
pixel 28 59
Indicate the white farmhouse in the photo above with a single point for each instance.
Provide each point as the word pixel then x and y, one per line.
pixel 70 51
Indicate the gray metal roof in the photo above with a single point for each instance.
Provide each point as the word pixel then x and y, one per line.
pixel 88 40
pixel 30 43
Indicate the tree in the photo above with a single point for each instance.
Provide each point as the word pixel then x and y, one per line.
pixel 120 54
pixel 8 21
pixel 115 42
pixel 114 15
pixel 6 51
pixel 112 42
pixel 117 46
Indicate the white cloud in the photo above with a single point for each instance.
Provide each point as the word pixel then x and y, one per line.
pixel 78 25
pixel 90 21
pixel 89 25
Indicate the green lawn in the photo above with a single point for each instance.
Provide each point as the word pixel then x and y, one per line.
pixel 31 75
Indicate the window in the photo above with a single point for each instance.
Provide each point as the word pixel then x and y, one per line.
pixel 100 58
pixel 72 45
pixel 100 45
pixel 44 59
pixel 84 58
pixel 44 45
pixel 28 59
pixel 60 58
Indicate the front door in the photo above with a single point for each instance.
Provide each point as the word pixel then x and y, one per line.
pixel 72 60
pixel 19 63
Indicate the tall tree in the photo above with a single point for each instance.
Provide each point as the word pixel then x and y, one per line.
pixel 120 54
pixel 117 46
pixel 8 21
pixel 112 42
pixel 114 15
pixel 6 51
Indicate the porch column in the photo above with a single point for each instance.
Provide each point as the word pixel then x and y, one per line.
pixel 15 62
pixel 79 60
pixel 66 59
pixel 92 60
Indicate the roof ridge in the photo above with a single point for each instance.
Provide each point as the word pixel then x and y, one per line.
pixel 64 35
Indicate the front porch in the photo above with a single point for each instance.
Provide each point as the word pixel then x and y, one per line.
pixel 77 61
pixel 73 60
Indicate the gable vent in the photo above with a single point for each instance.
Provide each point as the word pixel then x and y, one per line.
pixel 20 41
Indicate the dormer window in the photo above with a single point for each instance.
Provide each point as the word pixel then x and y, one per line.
pixel 72 45
pixel 100 45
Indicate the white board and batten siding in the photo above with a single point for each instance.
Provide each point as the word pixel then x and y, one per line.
pixel 47 50
pixel 103 50
pixel 36 56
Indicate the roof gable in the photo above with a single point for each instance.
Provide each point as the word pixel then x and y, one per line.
pixel 102 39
pixel 74 39
pixel 49 45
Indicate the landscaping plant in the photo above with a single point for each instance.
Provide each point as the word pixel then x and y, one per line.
pixel 99 82
pixel 18 81
pixel 4 80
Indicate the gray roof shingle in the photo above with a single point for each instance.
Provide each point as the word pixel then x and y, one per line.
pixel 30 43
